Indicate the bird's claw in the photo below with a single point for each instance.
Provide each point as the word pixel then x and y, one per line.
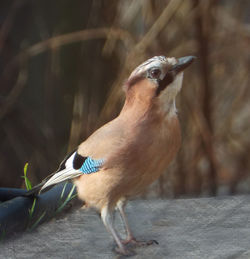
pixel 124 251
pixel 134 242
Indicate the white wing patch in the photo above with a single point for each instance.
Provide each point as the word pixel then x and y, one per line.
pixel 73 169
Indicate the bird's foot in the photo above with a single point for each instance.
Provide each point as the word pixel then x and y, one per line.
pixel 85 207
pixel 124 251
pixel 132 241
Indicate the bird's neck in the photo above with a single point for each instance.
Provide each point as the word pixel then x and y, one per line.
pixel 138 110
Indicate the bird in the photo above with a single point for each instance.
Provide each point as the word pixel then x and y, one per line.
pixel 123 157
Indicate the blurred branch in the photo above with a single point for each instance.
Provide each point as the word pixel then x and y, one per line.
pixel 83 35
pixel 158 26
pixel 242 171
pixel 53 43
pixel 203 24
pixel 65 39
pixel 78 110
pixel 226 123
pixel 206 134
pixel 123 18
pixel 16 90
pixel 7 24
pixel 231 23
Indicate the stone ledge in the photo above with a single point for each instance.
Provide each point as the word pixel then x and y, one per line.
pixel 185 228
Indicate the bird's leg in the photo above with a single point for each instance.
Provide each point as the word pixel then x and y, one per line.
pixel 121 205
pixel 108 219
pixel 130 237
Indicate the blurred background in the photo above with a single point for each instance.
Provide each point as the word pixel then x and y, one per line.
pixel 63 64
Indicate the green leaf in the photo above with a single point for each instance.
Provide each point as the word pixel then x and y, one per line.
pixel 28 184
pixel 38 221
pixel 26 179
pixel 31 210
pixel 68 199
pixel 25 169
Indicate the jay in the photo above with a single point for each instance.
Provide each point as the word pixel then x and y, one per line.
pixel 130 152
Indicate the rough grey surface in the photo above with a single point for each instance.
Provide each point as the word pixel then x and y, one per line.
pixel 184 228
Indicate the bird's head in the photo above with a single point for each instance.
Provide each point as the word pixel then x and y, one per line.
pixel 157 80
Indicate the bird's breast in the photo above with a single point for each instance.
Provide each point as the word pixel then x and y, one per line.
pixel 147 154
pixel 139 156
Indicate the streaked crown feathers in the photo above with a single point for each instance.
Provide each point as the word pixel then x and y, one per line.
pixel 154 62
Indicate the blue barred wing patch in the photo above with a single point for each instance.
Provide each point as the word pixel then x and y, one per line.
pixel 91 166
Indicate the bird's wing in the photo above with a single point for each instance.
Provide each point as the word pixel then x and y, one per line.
pixel 81 161
pixel 72 166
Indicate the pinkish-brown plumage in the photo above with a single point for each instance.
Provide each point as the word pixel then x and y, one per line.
pixel 142 141
pixel 135 148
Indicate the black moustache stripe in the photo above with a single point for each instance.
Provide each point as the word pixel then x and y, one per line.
pixel 167 80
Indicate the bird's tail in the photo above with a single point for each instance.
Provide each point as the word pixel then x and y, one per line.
pixel 61 176
pixel 51 180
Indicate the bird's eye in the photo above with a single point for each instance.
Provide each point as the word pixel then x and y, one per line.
pixel 155 73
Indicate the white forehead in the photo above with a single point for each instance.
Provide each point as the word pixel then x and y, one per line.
pixel 157 61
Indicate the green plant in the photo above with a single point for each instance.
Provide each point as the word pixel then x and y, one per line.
pixel 37 221
pixel 26 179
pixel 32 209
pixel 28 185
pixel 68 199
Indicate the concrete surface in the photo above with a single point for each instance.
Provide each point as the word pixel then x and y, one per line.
pixel 184 228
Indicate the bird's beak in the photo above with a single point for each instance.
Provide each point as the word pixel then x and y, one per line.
pixel 182 63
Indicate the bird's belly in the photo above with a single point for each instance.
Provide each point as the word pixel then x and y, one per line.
pixel 131 170
pixel 140 179
pixel 108 186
